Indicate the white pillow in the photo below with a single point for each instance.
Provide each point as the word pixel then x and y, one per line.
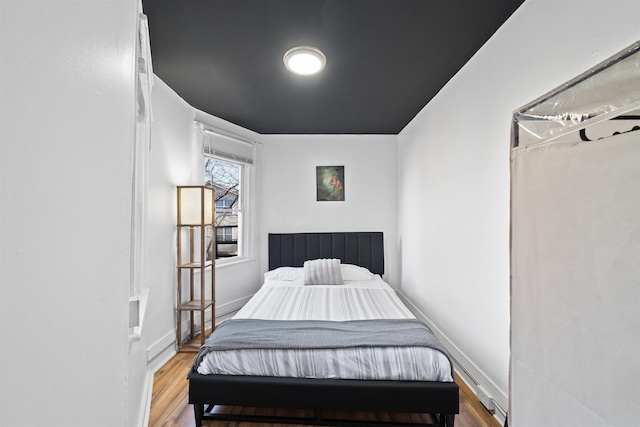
pixel 288 274
pixel 354 272
pixel 322 272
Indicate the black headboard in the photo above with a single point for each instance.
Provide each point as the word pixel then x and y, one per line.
pixel 293 249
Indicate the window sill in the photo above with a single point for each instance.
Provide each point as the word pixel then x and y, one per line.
pixel 233 262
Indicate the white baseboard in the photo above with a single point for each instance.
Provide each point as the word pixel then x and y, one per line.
pixel 160 354
pixel 161 351
pixel 223 312
pixel 161 346
pixel 463 366
pixel 146 398
pixel 226 310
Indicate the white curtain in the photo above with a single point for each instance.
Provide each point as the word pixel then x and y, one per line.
pixel 576 283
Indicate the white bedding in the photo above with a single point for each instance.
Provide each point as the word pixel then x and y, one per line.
pixel 354 300
pixel 290 299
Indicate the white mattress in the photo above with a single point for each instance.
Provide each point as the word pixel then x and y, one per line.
pixel 355 300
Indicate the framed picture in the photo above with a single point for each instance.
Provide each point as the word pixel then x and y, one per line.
pixel 330 183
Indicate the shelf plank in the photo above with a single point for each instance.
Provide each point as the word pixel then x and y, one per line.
pixel 196 264
pixel 194 305
pixel 193 345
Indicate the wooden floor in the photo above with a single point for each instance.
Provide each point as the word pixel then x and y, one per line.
pixel 169 406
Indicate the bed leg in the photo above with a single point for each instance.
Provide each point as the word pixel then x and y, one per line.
pixel 198 410
pixel 450 419
pixel 444 420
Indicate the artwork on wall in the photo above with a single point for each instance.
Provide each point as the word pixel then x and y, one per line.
pixel 330 183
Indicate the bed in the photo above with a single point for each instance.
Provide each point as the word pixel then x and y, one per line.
pixel 377 384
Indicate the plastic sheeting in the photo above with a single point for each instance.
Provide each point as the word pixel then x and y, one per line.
pixel 609 90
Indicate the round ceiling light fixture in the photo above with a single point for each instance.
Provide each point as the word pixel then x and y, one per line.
pixel 304 60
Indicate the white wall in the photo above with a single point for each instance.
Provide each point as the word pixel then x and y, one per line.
pixel 67 120
pixel 172 162
pixel 288 188
pixel 454 168
pixel 175 159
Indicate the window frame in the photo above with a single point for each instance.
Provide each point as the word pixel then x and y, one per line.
pixel 239 211
pixel 228 146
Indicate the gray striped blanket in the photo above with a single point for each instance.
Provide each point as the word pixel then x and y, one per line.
pixel 236 334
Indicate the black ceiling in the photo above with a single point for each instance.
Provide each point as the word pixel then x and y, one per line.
pixel 385 58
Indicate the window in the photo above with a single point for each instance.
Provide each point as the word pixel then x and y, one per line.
pixel 228 162
pixel 226 180
pixel 226 234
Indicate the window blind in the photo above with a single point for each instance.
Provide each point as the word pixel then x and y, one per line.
pixel 226 146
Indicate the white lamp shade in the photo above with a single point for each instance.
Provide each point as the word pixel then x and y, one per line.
pixel 195 205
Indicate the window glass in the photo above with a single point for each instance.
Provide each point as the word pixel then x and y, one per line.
pixel 226 180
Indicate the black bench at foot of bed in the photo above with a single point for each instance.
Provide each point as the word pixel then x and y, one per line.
pixel 206 391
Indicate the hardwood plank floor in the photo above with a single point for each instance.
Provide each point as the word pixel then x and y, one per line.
pixel 170 408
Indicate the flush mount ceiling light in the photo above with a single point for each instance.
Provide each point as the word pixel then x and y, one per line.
pixel 304 60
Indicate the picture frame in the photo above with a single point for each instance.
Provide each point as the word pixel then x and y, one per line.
pixel 330 184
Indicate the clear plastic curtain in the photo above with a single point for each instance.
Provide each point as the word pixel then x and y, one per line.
pixel 608 91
